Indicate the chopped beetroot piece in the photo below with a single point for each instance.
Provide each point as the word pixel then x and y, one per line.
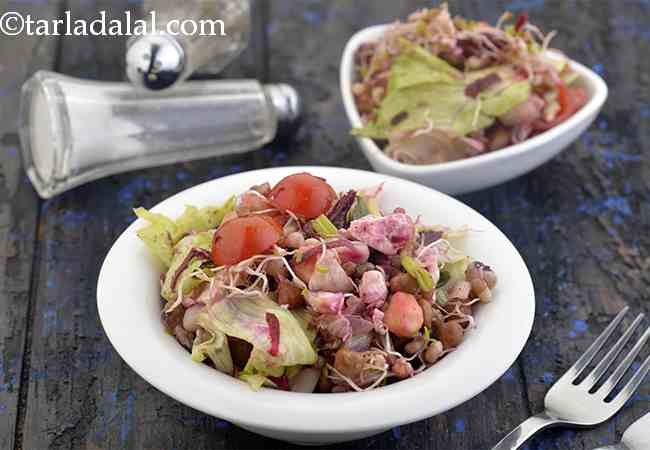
pixel 339 212
pixel 274 333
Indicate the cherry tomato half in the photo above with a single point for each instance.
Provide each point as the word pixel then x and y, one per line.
pixel 243 237
pixel 303 194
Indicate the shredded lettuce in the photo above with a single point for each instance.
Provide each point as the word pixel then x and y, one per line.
pixel 256 380
pixel 499 103
pixel 244 317
pixel 213 344
pixel 158 236
pixel 424 91
pixel 304 318
pixel 184 282
pixel 162 233
pixel 415 66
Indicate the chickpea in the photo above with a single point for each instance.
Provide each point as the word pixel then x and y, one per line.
pixel 427 312
pixel 349 363
pixel 311 242
pixel 289 294
pixel 403 282
pixel 276 268
pixel 363 268
pixel 294 240
pixel 451 334
pixel 481 290
pixel 402 368
pixel 433 352
pixel 349 267
pixel 415 346
pixel 490 278
pixel 438 318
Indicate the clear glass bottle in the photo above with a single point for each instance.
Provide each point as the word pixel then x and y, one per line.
pixel 216 32
pixel 73 131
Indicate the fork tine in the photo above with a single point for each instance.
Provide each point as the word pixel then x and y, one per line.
pixel 618 374
pixel 587 356
pixel 612 354
pixel 632 385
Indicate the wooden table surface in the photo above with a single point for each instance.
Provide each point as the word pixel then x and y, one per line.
pixel 581 222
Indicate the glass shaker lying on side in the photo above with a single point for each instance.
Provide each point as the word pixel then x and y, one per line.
pixel 73 131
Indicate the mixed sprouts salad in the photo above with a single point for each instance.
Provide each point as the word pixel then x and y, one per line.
pixel 299 288
pixel 437 88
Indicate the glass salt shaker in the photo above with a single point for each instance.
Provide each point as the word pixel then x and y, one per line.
pixel 73 131
pixel 185 37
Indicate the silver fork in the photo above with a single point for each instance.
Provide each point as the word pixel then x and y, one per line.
pixel 571 403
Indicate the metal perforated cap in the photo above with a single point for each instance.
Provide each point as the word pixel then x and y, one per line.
pixel 154 61
pixel 288 106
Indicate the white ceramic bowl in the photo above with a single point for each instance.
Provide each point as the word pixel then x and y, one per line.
pixel 129 308
pixel 467 175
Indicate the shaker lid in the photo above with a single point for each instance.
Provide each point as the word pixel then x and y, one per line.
pixel 287 104
pixel 154 61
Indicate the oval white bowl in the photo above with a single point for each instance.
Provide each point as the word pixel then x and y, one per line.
pixel 472 174
pixel 129 308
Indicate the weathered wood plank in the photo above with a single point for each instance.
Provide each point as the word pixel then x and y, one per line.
pixel 81 394
pixel 20 56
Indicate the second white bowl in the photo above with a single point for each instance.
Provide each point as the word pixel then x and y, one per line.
pixel 479 172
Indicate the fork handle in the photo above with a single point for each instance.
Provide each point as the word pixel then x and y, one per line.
pixel 525 431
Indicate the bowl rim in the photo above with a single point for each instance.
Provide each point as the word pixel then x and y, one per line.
pixel 318 413
pixel 346 78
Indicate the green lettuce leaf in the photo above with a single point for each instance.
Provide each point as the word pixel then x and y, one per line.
pixel 185 281
pixel 304 319
pixel 244 317
pixel 426 92
pixel 159 235
pixel 415 66
pixel 213 344
pixel 162 233
pixel 372 130
pixel 496 104
pixel 256 380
